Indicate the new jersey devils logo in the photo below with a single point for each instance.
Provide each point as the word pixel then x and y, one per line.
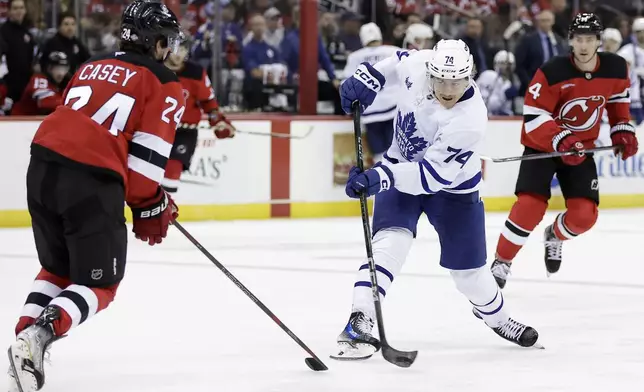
pixel 581 114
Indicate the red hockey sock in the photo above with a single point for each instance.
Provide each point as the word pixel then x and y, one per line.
pixel 45 288
pixel 173 170
pixel 525 215
pixel 580 216
pixel 78 303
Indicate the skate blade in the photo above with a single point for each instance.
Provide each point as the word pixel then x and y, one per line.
pixel 351 352
pixel 537 346
pixel 24 381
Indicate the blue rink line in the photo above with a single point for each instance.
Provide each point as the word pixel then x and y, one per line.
pixel 206 264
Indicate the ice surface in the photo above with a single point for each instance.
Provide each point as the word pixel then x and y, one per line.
pixel 178 324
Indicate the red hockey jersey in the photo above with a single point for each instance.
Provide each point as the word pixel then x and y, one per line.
pixel 198 93
pixel 41 96
pixel 119 116
pixel 561 97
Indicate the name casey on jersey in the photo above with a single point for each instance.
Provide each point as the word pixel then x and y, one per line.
pixel 110 73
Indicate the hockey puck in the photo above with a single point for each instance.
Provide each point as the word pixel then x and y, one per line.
pixel 315 364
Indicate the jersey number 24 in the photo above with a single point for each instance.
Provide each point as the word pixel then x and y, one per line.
pixel 119 105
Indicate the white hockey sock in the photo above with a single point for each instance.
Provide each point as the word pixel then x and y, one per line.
pixel 390 249
pixel 480 288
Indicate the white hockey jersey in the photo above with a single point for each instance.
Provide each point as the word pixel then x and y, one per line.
pixel 384 106
pixel 434 149
pixel 493 88
pixel 634 55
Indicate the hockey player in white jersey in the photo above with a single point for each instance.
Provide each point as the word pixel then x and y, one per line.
pixel 499 85
pixel 379 117
pixel 634 55
pixel 432 167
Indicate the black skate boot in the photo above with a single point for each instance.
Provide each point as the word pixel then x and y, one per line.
pixel 356 342
pixel 500 270
pixel 27 354
pixel 517 333
pixel 553 248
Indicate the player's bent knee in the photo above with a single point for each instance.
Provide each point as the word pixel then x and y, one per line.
pixel 533 203
pixel 581 214
pixel 394 242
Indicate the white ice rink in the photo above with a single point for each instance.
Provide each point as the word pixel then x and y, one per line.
pixel 178 324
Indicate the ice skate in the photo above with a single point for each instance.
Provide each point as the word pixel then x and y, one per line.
pixel 553 249
pixel 500 271
pixel 27 354
pixel 517 333
pixel 356 342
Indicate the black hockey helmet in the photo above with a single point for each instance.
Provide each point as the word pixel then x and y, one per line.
pixel 586 23
pixel 57 58
pixel 145 22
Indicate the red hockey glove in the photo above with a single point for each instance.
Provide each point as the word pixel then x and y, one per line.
pixel 623 135
pixel 223 128
pixel 567 141
pixel 151 220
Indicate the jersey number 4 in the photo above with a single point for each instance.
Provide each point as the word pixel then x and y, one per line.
pixel 534 90
pixel 119 105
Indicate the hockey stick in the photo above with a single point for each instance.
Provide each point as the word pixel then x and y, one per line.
pixel 547 155
pixel 398 358
pixel 313 362
pixel 277 135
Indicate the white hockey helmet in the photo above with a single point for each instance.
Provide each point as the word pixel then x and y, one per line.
pixel 370 32
pixel 638 25
pixel 504 60
pixel 451 60
pixel 612 34
pixel 417 35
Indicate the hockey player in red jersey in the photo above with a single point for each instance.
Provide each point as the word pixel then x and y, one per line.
pixel 107 145
pixel 200 99
pixel 563 109
pixel 43 93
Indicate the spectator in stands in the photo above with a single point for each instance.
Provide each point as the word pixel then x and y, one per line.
pixel 473 37
pixel 536 48
pixel 624 27
pixel 274 33
pixel 65 41
pixel 329 32
pixel 350 23
pixel 231 38
pixel 17 45
pixel 255 54
pixel 290 52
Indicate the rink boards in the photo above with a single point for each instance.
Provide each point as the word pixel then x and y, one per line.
pixel 257 177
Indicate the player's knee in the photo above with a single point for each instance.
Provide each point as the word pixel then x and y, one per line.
pixel 392 243
pixel 581 215
pixel 105 295
pixel 467 280
pixel 531 206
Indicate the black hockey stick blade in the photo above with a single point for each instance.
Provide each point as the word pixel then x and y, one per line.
pixel 315 364
pixel 399 358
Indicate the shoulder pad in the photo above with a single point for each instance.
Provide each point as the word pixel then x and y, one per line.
pixel 191 70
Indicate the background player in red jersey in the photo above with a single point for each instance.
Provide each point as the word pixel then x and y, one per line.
pixel 107 145
pixel 43 93
pixel 563 109
pixel 200 98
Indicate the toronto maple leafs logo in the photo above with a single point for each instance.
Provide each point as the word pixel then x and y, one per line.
pixel 408 143
pixel 407 83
